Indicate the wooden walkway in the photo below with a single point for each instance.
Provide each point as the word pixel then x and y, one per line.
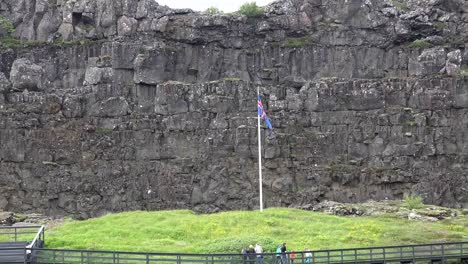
pixel 429 253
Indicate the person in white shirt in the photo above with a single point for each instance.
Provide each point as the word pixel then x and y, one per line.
pixel 259 251
pixel 308 256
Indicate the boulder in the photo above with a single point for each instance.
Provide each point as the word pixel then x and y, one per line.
pixel 126 26
pixel 26 75
pixel 96 75
pixel 6 218
pixel 431 61
pixel 417 217
pixel 112 107
pixel 452 66
pixel 5 84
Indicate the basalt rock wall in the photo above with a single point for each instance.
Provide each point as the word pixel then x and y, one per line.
pixel 121 105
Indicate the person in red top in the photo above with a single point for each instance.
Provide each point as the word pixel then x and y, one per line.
pixel 292 256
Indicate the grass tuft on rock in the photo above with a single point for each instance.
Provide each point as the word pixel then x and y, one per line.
pixel 420 44
pixel 297 42
pixel 464 72
pixel 401 5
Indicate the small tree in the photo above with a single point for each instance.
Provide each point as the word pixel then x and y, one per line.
pixel 7 25
pixel 251 9
pixel 412 201
pixel 213 11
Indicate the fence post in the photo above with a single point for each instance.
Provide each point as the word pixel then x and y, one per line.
pixel 443 254
pixel 147 258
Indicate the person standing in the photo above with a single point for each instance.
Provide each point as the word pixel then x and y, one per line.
pixel 259 252
pixel 244 255
pixel 292 256
pixel 251 254
pixel 278 255
pixel 308 256
pixel 283 254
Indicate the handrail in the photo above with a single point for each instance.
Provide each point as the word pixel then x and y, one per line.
pixel 20 227
pixel 12 233
pixel 264 254
pixel 444 251
pixel 36 238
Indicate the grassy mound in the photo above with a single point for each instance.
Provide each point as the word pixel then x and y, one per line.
pixel 186 232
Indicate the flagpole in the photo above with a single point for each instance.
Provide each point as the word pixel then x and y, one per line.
pixel 259 157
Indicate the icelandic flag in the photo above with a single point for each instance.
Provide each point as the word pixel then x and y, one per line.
pixel 262 114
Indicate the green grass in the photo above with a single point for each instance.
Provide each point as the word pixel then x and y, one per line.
pixel 297 42
pixel 186 232
pixel 419 44
pixel 232 79
pixel 439 25
pixel 464 72
pixel 401 5
pixel 103 130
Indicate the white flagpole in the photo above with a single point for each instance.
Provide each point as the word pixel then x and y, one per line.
pixel 259 156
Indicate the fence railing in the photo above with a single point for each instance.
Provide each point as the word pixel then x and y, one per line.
pixel 395 254
pixel 18 233
pixel 38 241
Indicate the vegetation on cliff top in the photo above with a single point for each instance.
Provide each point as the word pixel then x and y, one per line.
pixel 185 231
pixel 251 10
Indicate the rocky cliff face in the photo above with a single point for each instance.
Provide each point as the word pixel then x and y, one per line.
pixel 112 105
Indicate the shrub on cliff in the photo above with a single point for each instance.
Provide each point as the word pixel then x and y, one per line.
pixel 6 34
pixel 412 201
pixel 7 25
pixel 251 9
pixel 213 11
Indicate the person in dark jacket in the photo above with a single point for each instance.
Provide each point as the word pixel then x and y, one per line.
pixel 283 253
pixel 251 254
pixel 244 255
